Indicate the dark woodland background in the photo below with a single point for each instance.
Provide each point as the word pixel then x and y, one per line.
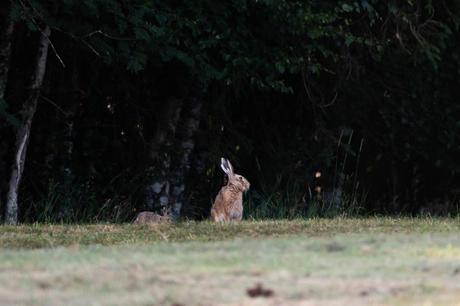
pixel 140 99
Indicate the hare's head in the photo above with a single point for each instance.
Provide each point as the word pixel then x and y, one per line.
pixel 239 181
pixel 166 211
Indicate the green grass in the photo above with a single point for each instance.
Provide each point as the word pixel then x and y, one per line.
pixel 48 235
pixel 379 261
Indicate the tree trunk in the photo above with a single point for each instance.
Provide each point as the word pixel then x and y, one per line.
pixel 186 144
pixel 23 130
pixel 171 152
pixel 158 190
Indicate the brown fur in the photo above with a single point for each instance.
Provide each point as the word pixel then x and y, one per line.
pixel 228 204
pixel 150 217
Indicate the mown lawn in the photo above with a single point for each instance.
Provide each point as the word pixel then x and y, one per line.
pixel 375 261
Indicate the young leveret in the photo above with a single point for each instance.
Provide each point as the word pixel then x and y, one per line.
pixel 228 204
pixel 146 217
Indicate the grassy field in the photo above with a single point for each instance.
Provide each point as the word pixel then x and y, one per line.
pixel 376 261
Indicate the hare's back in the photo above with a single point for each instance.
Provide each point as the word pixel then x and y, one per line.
pixel 218 208
pixel 146 217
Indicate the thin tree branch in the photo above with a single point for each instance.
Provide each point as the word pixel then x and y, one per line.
pixel 54 104
pixel 107 35
pixel 90 47
pixel 32 19
pixel 330 103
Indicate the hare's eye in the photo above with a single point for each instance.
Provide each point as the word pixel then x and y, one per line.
pixel 241 179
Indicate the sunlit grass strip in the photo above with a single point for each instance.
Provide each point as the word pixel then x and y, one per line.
pixel 448 252
pixel 48 235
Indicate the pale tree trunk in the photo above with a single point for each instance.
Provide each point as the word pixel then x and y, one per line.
pixel 161 146
pixel 186 144
pixel 23 131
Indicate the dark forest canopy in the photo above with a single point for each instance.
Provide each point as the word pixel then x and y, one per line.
pixel 140 99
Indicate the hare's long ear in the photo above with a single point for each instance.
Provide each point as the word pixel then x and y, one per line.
pixel 223 165
pixel 230 167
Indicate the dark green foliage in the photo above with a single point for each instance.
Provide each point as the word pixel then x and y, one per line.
pixel 364 91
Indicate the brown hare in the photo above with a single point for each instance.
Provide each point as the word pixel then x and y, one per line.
pixel 228 205
pixel 150 217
